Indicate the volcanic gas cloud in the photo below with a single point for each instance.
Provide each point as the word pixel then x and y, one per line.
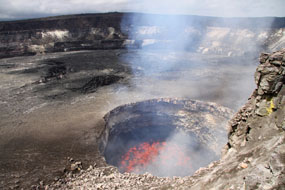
pixel 146 156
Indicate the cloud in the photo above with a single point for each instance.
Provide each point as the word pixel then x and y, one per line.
pixel 231 8
pixel 38 8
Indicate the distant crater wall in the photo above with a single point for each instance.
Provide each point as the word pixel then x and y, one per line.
pixel 206 35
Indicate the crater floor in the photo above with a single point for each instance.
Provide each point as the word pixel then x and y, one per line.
pixel 52 106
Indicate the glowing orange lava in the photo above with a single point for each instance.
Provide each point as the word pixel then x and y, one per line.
pixel 139 157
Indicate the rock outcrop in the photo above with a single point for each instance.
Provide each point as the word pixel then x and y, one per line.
pixel 267 98
pixel 252 159
pixel 257 130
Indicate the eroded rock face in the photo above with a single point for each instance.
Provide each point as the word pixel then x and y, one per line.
pixel 257 130
pixel 267 98
pixel 59 34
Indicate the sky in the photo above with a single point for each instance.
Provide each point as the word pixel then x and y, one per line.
pixel 18 9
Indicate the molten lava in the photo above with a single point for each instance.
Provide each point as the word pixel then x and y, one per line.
pixel 150 156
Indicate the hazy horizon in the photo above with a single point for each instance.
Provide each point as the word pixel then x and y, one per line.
pixel 21 9
pixel 91 13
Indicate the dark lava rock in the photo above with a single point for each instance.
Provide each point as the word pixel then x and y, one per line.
pixel 57 71
pixel 99 81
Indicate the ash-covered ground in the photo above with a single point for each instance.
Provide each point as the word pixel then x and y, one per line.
pixel 52 105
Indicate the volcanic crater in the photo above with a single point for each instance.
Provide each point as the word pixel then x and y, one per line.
pixel 53 103
pixel 165 137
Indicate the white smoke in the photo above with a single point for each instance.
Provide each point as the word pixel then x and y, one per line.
pixel 189 57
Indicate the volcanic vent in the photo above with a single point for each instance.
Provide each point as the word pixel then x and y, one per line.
pixel 165 137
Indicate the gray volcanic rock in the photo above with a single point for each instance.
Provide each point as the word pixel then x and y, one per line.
pixel 99 81
pixel 252 159
pixel 257 130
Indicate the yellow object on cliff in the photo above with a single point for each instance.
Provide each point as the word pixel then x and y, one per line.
pixel 271 107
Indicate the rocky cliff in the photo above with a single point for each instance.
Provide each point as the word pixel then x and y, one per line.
pixel 66 33
pixel 252 159
pixel 207 35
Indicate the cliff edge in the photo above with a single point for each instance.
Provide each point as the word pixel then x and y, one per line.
pixel 256 132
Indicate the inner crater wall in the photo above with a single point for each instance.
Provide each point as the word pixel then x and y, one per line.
pixel 161 119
